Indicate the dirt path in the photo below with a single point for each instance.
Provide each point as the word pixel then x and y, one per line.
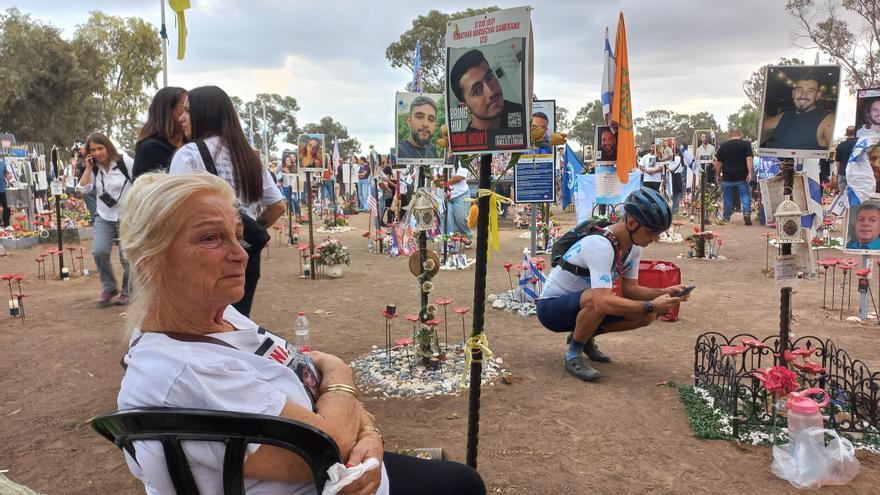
pixel 545 434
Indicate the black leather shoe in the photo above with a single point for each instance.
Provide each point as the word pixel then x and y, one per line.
pixel 592 351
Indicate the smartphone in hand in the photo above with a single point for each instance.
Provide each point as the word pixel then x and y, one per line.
pixel 687 290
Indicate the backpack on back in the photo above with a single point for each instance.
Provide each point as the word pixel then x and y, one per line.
pixel 564 243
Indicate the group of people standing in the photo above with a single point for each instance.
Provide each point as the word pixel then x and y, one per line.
pixel 185 132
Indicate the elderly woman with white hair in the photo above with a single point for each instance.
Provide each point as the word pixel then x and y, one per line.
pixel 181 235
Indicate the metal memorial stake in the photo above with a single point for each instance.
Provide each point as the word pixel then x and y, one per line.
pixel 56 191
pixel 311 226
pixel 476 372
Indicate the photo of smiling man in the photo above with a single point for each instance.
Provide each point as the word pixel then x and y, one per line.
pixel 418 117
pixel 800 104
pixel 863 229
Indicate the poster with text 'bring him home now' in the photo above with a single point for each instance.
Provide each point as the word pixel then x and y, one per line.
pixel 488 91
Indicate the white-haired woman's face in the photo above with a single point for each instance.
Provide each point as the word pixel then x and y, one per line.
pixel 205 264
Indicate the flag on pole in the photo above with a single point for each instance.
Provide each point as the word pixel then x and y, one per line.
pixel 178 6
pixel 607 79
pixel 371 205
pixel 417 68
pixel 571 167
pixel 621 108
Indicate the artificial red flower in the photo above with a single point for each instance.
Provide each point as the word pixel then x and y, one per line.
pixel 732 350
pixel 507 267
pixel 777 380
pixel 753 343
pixel 809 367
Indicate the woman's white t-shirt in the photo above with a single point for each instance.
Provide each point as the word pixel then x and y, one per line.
pixel 188 159
pixel 163 372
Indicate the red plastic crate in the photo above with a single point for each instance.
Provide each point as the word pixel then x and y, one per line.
pixel 651 276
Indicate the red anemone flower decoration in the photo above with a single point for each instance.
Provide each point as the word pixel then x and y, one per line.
pixel 777 380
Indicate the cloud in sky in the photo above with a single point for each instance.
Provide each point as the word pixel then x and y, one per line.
pixel 684 56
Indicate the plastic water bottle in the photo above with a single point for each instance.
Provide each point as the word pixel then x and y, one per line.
pixel 803 412
pixel 370 246
pixel 302 332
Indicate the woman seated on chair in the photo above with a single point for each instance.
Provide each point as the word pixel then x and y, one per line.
pixel 192 349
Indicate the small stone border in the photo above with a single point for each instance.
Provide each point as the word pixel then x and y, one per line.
pixel 507 302
pixel 334 230
pixel 403 376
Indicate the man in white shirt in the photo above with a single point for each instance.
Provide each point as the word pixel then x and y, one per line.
pixel 653 172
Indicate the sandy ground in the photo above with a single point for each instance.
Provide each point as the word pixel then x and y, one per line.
pixel 545 434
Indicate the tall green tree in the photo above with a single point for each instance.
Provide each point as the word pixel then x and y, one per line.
pixel 666 123
pixel 430 30
pixel 43 87
pixel 280 124
pixel 331 130
pixel 583 127
pixel 746 119
pixel 124 55
pixel 847 30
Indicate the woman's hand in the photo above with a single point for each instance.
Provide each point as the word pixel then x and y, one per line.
pixel 368 445
pixel 332 369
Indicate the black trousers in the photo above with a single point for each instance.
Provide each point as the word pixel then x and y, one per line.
pixel 5 206
pixel 409 475
pixel 251 277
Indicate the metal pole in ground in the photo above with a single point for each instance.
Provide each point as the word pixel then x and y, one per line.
pixel 479 309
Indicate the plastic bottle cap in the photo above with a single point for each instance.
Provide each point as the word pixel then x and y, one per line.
pixel 799 402
pixel 302 313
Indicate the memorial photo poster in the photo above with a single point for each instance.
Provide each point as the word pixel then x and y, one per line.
pixel 665 147
pixel 605 145
pixel 868 112
pixel 417 121
pixel 705 142
pixel 310 150
pixel 800 104
pixel 544 114
pixel 488 93
pixel 289 162
pixel 863 228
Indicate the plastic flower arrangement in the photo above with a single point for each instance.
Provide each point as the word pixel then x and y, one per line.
pixel 332 252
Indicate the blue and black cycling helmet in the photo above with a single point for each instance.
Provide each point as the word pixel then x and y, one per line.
pixel 649 208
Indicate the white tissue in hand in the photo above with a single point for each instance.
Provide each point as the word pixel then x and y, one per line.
pixel 341 476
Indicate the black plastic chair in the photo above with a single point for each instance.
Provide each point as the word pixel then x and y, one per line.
pixel 234 429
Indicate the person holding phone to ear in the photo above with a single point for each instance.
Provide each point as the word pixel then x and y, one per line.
pixel 107 173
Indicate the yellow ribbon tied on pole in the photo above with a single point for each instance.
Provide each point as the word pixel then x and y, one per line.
pixel 477 343
pixel 494 200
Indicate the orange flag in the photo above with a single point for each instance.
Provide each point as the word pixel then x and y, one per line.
pixel 621 108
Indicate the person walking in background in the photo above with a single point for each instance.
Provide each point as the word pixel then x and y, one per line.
pixel 4 176
pixel 733 164
pixel 107 174
pixel 216 126
pixel 166 130
pixel 363 184
pixel 841 156
pixel 458 204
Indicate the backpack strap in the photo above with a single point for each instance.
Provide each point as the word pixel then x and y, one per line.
pixel 120 164
pixel 206 156
pixel 581 271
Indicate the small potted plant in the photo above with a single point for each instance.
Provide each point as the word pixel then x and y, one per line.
pixel 333 255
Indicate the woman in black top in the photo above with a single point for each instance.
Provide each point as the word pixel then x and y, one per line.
pixel 167 128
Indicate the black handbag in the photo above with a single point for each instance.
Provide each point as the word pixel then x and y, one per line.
pixel 254 234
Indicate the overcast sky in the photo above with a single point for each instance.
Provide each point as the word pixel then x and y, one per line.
pixel 684 56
